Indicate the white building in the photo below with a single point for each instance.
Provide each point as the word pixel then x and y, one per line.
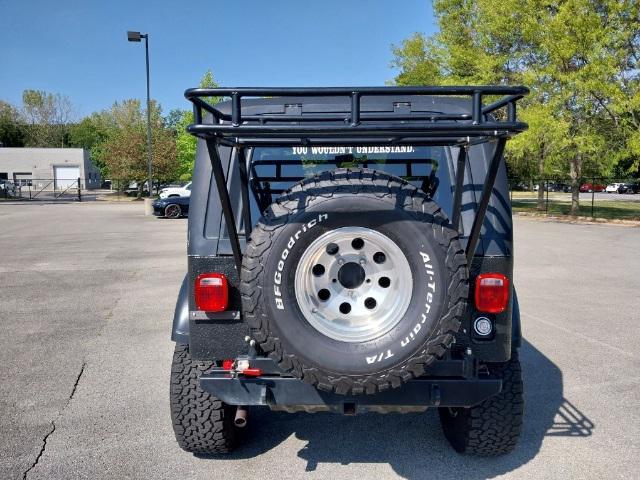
pixel 48 168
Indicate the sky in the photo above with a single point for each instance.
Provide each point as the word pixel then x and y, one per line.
pixel 79 48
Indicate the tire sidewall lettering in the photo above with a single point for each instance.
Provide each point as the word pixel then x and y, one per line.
pixel 412 336
pixel 284 254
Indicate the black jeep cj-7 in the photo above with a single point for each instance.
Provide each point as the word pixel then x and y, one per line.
pixel 350 250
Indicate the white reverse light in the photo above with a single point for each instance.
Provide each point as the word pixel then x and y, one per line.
pixel 482 326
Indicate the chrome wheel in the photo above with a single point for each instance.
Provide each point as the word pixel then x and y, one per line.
pixel 172 211
pixel 353 284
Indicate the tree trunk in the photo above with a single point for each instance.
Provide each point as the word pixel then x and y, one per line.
pixel 575 172
pixel 541 185
pixel 140 189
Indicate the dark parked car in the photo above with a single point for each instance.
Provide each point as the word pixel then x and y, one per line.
pixel 174 207
pixel 629 188
pixel 520 187
pixel 559 187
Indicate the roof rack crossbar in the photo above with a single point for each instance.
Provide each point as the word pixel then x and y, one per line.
pixel 332 117
pixel 351 141
pixel 423 129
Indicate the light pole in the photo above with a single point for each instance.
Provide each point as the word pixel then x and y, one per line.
pixel 136 37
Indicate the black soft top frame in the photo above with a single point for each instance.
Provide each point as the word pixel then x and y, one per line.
pixel 354 126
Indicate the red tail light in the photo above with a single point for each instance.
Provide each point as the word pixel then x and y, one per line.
pixel 227 364
pixel 492 292
pixel 212 292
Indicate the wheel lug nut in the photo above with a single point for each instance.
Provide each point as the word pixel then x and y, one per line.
pixel 340 261
pixel 362 261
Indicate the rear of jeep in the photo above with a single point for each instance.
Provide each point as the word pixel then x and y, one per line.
pixel 350 250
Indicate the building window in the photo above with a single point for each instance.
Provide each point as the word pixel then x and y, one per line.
pixel 22 179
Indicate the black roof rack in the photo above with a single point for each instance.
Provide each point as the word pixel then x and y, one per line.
pixel 352 126
pixel 355 126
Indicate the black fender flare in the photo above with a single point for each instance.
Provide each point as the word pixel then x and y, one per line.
pixel 180 328
pixel 516 329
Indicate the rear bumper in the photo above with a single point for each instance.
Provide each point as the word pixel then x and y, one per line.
pixel 287 391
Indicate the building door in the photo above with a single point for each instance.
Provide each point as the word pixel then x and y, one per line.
pixel 66 177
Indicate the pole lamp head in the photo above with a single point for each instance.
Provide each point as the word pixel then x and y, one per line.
pixel 134 36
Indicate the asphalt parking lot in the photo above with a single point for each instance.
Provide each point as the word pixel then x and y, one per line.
pixel 87 293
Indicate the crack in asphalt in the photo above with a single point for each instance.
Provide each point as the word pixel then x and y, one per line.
pixel 53 423
pixel 73 391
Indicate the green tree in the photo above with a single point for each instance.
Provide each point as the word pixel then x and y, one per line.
pixel 544 141
pixel 91 133
pixel 47 117
pixel 173 118
pixel 124 151
pixel 91 130
pixel 11 126
pixel 185 146
pixel 185 142
pixel 579 57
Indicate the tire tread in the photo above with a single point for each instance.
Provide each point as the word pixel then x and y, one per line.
pixel 202 423
pixel 494 426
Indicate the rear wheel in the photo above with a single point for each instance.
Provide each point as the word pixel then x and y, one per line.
pixel 493 427
pixel 202 423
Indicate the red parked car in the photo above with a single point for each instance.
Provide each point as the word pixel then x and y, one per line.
pixel 591 187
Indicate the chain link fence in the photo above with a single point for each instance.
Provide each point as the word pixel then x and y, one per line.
pixel 49 189
pixel 607 197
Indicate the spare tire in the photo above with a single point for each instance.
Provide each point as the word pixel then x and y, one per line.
pixel 354 281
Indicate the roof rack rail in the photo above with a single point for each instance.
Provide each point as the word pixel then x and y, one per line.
pixel 353 127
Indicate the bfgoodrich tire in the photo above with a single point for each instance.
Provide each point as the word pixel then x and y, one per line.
pixel 202 423
pixel 354 281
pixel 493 427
